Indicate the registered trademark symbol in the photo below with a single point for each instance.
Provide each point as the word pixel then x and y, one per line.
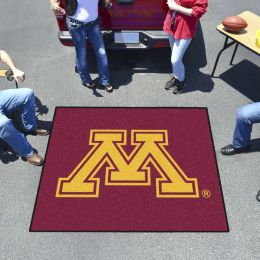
pixel 206 194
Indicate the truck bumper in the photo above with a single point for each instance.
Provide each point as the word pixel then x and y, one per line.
pixel 146 39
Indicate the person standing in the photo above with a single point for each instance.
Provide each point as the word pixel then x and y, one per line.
pixel 180 24
pixel 83 24
pixel 20 102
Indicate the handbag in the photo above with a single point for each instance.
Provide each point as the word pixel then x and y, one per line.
pixel 172 21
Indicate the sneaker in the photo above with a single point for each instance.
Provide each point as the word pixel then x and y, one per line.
pixel 178 86
pixel 170 84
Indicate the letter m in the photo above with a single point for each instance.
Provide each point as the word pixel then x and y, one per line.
pixel 128 169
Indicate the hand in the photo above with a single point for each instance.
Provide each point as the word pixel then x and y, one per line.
pixel 172 5
pixel 57 9
pixel 19 75
pixel 108 3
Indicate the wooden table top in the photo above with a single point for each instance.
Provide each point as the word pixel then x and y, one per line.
pixel 2 72
pixel 246 37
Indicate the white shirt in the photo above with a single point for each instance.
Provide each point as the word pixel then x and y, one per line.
pixel 87 11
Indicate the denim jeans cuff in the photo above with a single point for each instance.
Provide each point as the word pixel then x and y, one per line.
pixel 28 155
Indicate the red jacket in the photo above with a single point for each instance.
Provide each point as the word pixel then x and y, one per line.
pixel 185 26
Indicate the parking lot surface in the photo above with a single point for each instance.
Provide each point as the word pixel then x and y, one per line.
pixel 28 31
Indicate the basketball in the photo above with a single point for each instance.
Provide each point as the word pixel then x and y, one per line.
pixel 234 23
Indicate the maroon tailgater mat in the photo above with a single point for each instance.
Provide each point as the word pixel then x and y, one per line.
pixel 130 169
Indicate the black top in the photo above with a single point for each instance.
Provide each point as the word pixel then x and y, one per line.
pixel 71 7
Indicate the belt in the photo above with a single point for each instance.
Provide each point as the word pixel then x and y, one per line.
pixel 82 23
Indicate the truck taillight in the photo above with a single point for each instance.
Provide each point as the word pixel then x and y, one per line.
pixel 61 20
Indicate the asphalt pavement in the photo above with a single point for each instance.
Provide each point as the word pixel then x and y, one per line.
pixel 28 31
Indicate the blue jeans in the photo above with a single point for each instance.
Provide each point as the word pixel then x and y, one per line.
pixel 246 116
pixel 80 33
pixel 179 47
pixel 19 101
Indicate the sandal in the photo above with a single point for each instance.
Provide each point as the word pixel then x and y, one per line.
pixel 89 85
pixel 34 159
pixel 108 88
pixel 40 132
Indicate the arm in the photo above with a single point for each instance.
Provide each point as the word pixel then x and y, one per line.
pixel 18 74
pixel 199 8
pixel 55 6
pixel 180 9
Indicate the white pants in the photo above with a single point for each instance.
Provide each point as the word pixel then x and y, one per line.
pixel 179 47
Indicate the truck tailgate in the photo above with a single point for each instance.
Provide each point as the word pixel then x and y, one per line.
pixel 134 14
pixel 127 24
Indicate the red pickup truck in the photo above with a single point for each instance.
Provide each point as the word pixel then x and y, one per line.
pixel 135 24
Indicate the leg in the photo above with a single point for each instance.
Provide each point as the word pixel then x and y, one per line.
pixel 170 83
pixel 20 101
pixel 14 138
pixel 171 40
pixel 78 34
pixel 178 50
pixel 246 116
pixel 97 42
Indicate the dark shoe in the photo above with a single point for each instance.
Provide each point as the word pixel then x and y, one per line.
pixel 4 146
pixel 34 159
pixel 178 86
pixel 108 88
pixel 170 84
pixel 230 150
pixel 258 196
pixel 89 85
pixel 40 132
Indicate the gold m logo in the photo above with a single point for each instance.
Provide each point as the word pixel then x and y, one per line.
pixel 128 170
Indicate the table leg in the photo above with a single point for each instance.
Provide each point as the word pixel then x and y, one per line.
pixel 226 45
pixel 234 53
